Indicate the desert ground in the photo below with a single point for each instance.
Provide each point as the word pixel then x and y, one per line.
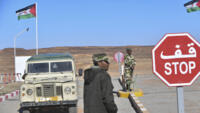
pixel 82 55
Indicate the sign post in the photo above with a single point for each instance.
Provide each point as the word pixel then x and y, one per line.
pixel 180 99
pixel 119 58
pixel 176 62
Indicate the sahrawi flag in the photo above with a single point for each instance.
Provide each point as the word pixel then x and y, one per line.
pixel 27 12
pixel 192 6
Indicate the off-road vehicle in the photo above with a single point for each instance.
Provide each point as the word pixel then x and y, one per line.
pixel 49 82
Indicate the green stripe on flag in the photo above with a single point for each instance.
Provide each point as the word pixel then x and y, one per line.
pixel 193 9
pixel 25 16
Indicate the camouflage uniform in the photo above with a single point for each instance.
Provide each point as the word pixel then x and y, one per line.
pixel 100 57
pixel 129 63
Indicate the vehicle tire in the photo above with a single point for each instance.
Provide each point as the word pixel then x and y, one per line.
pixel 72 109
pixel 24 111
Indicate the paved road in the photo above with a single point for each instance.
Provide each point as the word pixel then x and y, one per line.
pixel 12 105
pixel 158 98
pixel 123 104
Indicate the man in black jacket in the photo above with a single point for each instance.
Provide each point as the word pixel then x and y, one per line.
pixel 98 96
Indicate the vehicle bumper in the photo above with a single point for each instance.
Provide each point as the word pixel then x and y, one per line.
pixel 49 103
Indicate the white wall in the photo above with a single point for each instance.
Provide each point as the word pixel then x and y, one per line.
pixel 20 63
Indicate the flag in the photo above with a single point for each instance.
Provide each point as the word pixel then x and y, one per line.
pixel 27 12
pixel 192 6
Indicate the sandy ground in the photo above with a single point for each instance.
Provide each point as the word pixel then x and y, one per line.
pixel 7 88
pixel 143 67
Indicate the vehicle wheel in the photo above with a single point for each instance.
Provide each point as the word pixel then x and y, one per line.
pixel 34 111
pixel 72 109
pixel 24 111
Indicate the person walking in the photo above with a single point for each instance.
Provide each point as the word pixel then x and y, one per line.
pixel 98 88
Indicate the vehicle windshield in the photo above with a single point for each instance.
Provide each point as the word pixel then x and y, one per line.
pixel 61 66
pixel 38 68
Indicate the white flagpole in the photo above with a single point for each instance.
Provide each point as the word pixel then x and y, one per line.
pixel 36 29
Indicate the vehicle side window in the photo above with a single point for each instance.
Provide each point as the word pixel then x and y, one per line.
pixel 61 66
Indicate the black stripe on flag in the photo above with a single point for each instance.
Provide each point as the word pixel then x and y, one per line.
pixel 28 7
pixel 190 2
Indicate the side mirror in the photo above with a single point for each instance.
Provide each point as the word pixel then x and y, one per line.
pixel 80 72
pixel 24 76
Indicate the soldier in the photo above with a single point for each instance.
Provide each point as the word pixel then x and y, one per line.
pixel 129 65
pixel 98 96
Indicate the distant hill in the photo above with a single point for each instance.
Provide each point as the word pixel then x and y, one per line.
pixel 7 57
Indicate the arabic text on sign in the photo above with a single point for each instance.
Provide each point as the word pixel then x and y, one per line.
pixel 178 53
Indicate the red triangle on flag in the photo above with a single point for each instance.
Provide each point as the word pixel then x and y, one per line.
pixel 33 10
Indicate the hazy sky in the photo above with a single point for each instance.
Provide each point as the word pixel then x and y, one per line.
pixel 96 22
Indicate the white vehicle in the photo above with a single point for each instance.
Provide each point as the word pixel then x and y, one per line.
pixel 49 81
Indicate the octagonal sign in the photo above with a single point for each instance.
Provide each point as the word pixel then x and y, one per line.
pixel 176 59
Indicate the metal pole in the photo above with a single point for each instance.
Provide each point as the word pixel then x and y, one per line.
pixel 180 99
pixel 119 63
pixel 36 29
pixel 14 48
pixel 26 29
pixel 120 71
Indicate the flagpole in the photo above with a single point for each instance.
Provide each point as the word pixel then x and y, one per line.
pixel 36 29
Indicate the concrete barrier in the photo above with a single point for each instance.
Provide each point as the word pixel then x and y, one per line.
pixel 136 104
pixel 9 95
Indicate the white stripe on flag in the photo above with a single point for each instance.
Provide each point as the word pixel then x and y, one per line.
pixel 25 12
pixel 189 6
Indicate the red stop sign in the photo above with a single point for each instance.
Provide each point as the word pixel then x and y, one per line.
pixel 176 59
